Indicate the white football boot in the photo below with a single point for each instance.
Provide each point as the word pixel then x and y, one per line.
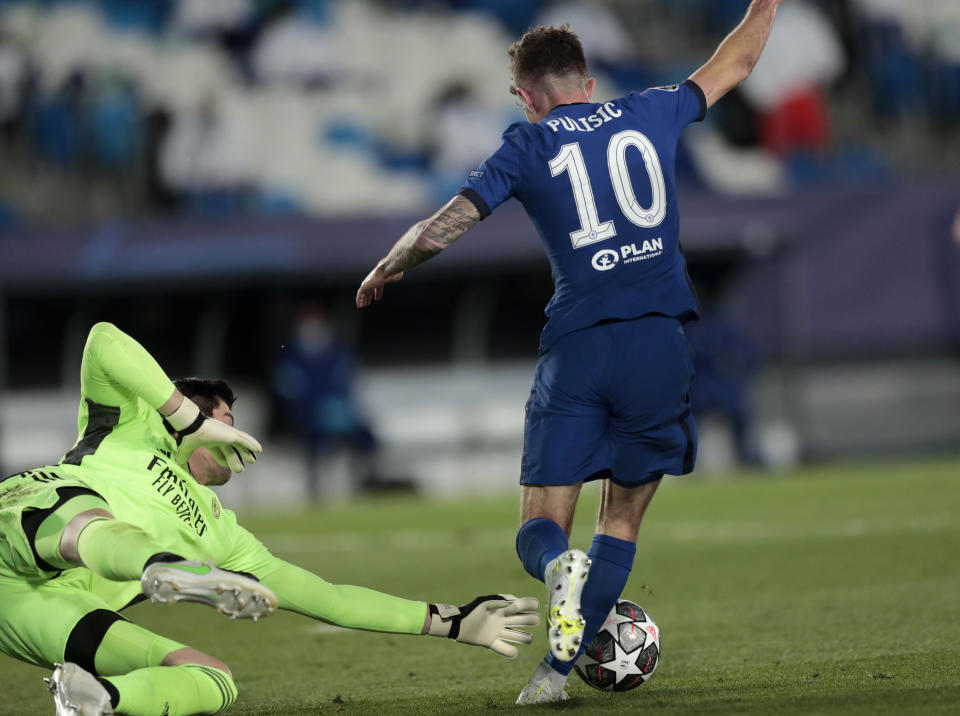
pixel 565 577
pixel 233 594
pixel 77 693
pixel 544 687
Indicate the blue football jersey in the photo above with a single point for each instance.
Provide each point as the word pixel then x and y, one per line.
pixel 598 180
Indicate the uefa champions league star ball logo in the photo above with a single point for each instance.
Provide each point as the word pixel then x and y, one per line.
pixel 605 259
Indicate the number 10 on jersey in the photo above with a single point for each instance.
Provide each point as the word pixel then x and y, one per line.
pixel 592 230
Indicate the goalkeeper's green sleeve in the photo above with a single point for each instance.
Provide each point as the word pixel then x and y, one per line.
pixel 116 368
pixel 344 605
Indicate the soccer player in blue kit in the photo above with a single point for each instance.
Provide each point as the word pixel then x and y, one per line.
pixel 610 396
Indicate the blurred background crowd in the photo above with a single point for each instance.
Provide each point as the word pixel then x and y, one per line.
pixel 321 107
pixel 216 176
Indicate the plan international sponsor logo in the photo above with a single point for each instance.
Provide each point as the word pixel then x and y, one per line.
pixel 647 250
pixel 606 259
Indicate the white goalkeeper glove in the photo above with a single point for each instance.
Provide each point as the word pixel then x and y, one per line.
pixel 230 447
pixel 489 621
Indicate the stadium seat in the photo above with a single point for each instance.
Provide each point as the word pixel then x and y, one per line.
pixel 893 69
pixel 114 121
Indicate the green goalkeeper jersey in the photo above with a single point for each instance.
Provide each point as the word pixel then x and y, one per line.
pixel 133 467
pixel 126 453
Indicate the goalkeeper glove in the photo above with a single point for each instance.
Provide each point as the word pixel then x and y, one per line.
pixel 488 621
pixel 230 447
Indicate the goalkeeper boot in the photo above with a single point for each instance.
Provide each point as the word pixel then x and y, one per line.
pixel 544 687
pixel 565 577
pixel 77 693
pixel 228 592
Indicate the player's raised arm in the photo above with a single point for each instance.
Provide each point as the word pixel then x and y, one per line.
pixel 736 56
pixel 116 369
pixel 423 241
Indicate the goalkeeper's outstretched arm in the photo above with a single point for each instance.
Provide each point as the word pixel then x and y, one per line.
pixel 492 621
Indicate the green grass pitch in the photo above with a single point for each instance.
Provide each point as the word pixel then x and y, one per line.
pixel 829 590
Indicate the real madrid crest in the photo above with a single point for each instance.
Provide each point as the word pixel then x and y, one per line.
pixel 216 508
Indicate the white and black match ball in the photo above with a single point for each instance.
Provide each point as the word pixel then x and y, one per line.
pixel 624 653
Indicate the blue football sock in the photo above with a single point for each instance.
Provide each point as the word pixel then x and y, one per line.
pixel 612 561
pixel 538 541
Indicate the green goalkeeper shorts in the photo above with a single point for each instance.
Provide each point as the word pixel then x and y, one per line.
pixel 58 620
pixel 49 616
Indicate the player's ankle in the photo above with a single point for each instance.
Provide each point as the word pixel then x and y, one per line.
pixel 557 677
pixel 559 670
pixel 546 671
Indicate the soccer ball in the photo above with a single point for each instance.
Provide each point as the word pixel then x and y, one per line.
pixel 624 653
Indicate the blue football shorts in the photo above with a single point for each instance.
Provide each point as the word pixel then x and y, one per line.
pixel 612 401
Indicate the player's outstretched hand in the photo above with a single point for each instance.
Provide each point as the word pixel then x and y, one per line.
pixel 489 621
pixel 372 287
pixel 230 447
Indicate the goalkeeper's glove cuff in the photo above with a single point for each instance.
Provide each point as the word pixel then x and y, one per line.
pixel 442 619
pixel 186 419
pixel 445 619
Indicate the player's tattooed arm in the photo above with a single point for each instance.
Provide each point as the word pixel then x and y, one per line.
pixel 423 241
pixel 429 237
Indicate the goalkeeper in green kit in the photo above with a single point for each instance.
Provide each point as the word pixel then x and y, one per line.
pixel 127 514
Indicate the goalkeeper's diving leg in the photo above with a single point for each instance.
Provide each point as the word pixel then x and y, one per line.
pixel 108 665
pixel 137 673
pixel 82 531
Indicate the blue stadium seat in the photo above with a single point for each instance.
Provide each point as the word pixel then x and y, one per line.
pixel 893 69
pixel 8 216
pixel 516 15
pixel 57 131
pixel 274 201
pixel 145 15
pixel 942 90
pixel 114 121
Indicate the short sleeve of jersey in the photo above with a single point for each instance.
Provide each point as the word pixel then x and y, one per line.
pixel 497 177
pixel 681 104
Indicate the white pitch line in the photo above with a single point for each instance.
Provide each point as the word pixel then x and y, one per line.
pixel 418 540
pixel 411 540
